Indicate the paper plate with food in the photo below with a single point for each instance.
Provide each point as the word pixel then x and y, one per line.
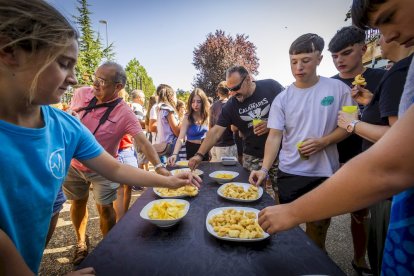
pixel 223 176
pixel 235 224
pixel 241 192
pixel 196 171
pixel 188 190
pixel 165 212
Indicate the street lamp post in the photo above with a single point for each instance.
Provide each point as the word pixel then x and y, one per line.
pixel 106 30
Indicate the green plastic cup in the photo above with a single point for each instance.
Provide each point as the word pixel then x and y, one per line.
pixel 303 157
pixel 350 108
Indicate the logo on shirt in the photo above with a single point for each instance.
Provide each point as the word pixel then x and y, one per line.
pixel 257 114
pixel 57 163
pixel 328 100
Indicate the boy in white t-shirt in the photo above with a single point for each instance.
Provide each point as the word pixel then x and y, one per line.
pixel 305 112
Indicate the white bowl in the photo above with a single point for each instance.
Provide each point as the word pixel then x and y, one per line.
pixel 223 180
pixel 245 187
pixel 163 223
pixel 182 163
pixel 228 160
pixel 196 171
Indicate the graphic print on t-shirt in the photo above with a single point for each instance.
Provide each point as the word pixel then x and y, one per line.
pixel 254 111
pixel 57 163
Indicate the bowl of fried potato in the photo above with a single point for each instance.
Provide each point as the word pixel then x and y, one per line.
pixel 235 224
pixel 182 163
pixel 241 192
pixel 196 171
pixel 223 176
pixel 188 190
pixel 165 212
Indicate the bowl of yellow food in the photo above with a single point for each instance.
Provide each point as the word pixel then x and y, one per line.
pixel 223 176
pixel 196 171
pixel 188 190
pixel 165 212
pixel 182 163
pixel 241 192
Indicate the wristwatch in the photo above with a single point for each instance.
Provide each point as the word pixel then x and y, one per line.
pixel 351 127
pixel 199 154
pixel 159 165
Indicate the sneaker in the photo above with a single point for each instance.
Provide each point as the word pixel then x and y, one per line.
pixel 137 188
pixel 81 251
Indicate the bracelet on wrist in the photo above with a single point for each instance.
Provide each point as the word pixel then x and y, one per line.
pixel 200 155
pixel 266 171
pixel 160 165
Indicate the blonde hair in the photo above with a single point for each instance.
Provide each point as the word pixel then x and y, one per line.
pixel 123 94
pixel 35 26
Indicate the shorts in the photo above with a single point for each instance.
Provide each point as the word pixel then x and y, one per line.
pixel 253 163
pixel 76 186
pixel 127 157
pixel 293 186
pixel 218 152
pixel 58 204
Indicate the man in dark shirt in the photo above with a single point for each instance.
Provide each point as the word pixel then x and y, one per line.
pixel 248 110
pixel 225 145
pixel 347 48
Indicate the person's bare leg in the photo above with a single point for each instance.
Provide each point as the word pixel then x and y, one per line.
pixel 119 203
pixel 52 226
pixel 127 198
pixel 106 217
pixel 79 216
pixel 359 230
pixel 317 231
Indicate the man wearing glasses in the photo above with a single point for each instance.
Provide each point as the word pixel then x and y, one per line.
pixel 248 110
pixel 109 119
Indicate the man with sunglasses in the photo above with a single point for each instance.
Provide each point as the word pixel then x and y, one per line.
pixel 248 110
pixel 92 104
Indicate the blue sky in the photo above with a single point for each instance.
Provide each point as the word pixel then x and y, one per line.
pixel 163 34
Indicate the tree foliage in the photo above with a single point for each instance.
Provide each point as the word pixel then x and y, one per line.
pixel 137 78
pixel 90 46
pixel 219 52
pixel 183 95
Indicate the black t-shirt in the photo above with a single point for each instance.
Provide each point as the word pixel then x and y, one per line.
pixel 352 146
pixel 227 138
pixel 242 114
pixel 387 97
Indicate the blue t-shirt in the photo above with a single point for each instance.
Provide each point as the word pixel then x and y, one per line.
pixel 399 246
pixel 33 166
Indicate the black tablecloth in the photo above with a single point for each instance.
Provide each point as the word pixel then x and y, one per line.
pixel 136 247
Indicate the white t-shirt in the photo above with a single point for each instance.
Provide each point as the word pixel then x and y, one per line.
pixel 153 116
pixel 309 113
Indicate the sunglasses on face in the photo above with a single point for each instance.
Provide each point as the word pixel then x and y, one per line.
pixel 237 87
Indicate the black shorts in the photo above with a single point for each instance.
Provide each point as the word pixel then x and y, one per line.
pixel 293 186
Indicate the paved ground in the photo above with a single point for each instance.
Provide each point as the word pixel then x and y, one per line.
pixel 58 255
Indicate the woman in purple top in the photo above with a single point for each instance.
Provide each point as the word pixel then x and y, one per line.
pixel 195 125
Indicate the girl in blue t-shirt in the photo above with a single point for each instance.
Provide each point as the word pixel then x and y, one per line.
pixel 194 126
pixel 38 54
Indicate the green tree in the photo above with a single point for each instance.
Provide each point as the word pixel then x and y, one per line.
pixel 137 78
pixel 90 47
pixel 220 51
pixel 183 95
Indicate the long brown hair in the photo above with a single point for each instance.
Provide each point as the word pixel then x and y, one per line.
pixel 205 105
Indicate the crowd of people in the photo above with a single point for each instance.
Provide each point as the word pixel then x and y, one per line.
pixel 319 159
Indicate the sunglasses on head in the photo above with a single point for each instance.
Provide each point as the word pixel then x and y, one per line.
pixel 237 87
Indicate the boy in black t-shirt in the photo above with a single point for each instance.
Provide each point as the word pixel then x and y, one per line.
pixel 347 48
pixel 248 110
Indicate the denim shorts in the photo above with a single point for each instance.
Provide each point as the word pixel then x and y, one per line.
pixel 128 156
pixel 60 199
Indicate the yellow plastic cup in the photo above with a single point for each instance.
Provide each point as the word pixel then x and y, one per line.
pixel 256 122
pixel 303 157
pixel 350 108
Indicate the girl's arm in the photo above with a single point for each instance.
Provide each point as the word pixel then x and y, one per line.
pixel 110 168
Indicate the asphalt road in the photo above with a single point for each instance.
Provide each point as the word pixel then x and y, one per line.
pixel 58 255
